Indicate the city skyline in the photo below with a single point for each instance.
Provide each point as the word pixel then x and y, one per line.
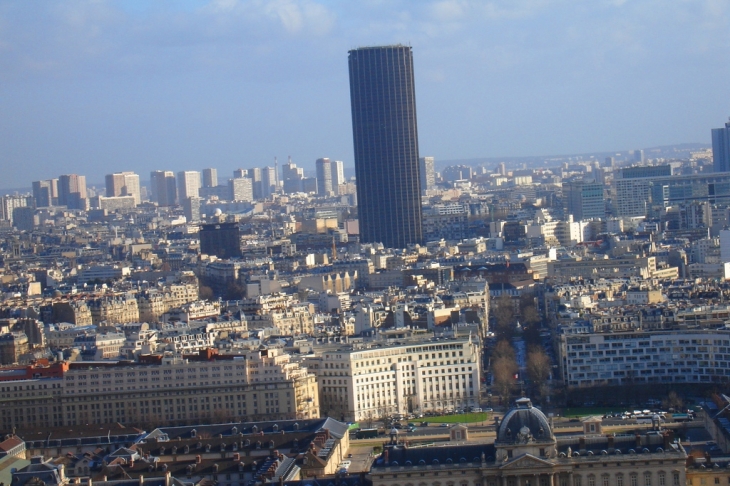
pixel 110 87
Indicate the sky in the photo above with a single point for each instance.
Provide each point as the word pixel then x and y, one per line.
pixel 93 86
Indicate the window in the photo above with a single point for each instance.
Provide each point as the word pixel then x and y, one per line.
pixel 662 479
pixel 619 480
pixel 647 479
pixel 604 480
pixel 576 481
pixel 634 480
pixel 591 480
pixel 675 479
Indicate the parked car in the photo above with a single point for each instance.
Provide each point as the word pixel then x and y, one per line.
pixel 444 425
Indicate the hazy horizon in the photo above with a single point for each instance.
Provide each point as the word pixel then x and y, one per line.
pixel 95 87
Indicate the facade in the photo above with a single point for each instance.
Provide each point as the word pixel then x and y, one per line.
pixel 163 187
pixel 188 184
pixel 210 177
pixel 8 205
pixel 240 189
pixel 721 148
pixel 428 175
pixel 584 200
pixel 632 189
pixel 259 385
pixel 222 240
pixel 123 184
pixel 688 189
pixel 191 208
pixel 45 193
pixel 324 177
pixel 619 358
pixel 72 191
pixel 385 136
pixel 527 453
pixel 338 175
pixel 367 383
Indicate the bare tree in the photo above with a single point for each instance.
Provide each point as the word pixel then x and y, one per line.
pixel 538 367
pixel 504 313
pixel 504 370
pixel 673 401
pixel 530 315
pixel 503 349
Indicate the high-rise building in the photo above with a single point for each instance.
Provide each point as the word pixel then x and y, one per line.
pixel 188 184
pixel 164 188
pixel 584 200
pixel 240 189
pixel 210 177
pixel 123 184
pixel 45 193
pixel 291 176
pixel 72 191
pixel 324 176
pixel 721 148
pixel 385 137
pixel 269 181
pixel 428 176
pixel 256 183
pixel 221 239
pixel 9 203
pixel 240 173
pixel 191 208
pixel 338 175
pixel 632 189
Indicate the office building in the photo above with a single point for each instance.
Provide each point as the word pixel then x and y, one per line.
pixel 324 177
pixel 269 181
pixel 72 191
pixel 632 189
pixel 721 148
pixel 385 137
pixel 291 177
pixel 240 173
pixel 338 175
pixel 123 184
pixel 191 208
pixel 45 193
pixel 210 177
pixel 256 183
pixel 240 189
pixel 364 383
pixel 163 187
pixel 221 239
pixel 428 176
pixel 188 184
pixel 584 200
pixel 23 218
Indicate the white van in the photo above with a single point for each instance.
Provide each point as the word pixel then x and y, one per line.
pixel 476 409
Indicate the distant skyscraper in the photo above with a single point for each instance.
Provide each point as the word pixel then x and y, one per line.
pixel 324 176
pixel 338 175
pixel 72 191
pixel 428 176
pixel 240 173
pixel 269 181
pixel 163 187
pixel 210 177
pixel 191 208
pixel 584 200
pixel 123 184
pixel 721 148
pixel 632 189
pixel 291 176
pixel 255 176
pixel 45 193
pixel 240 189
pixel 385 136
pixel 188 184
pixel 638 156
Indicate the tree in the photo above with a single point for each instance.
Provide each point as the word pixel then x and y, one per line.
pixel 538 367
pixel 503 349
pixel 527 299
pixel 504 370
pixel 205 292
pixel 530 315
pixel 504 313
pixel 673 401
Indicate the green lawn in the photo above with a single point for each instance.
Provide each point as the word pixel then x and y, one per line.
pixel 458 418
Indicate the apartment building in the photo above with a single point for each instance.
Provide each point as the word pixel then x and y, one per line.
pixel 619 358
pixel 369 381
pixel 258 385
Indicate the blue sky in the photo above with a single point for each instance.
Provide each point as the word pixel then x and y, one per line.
pixel 95 86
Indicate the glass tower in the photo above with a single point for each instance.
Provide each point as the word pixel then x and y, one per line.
pixel 385 137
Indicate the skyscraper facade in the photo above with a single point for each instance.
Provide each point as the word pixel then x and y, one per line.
pixel 210 177
pixel 123 184
pixel 324 176
pixel 721 148
pixel 72 191
pixel 338 175
pixel 428 175
pixel 584 200
pixel 385 137
pixel 163 187
pixel 188 184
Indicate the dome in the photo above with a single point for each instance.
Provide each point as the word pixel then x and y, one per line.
pixel 524 424
pixel 218 211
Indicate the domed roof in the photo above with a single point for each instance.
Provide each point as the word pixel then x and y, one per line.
pixel 524 424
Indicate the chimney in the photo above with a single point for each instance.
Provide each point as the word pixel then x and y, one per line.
pixel 236 456
pixel 168 478
pixel 386 454
pixel 581 444
pixel 638 441
pixel 141 480
pixel 198 459
pixel 668 438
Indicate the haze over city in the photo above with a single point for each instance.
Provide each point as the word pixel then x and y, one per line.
pixel 94 87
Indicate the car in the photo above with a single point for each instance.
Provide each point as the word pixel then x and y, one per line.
pixel 397 425
pixel 411 424
pixel 412 429
pixel 349 456
pixel 444 425
pixel 476 409
pixel 488 410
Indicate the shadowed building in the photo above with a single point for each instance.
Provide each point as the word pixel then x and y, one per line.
pixel 222 240
pixel 385 137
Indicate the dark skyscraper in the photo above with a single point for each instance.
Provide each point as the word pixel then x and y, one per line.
pixel 385 136
pixel 721 148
